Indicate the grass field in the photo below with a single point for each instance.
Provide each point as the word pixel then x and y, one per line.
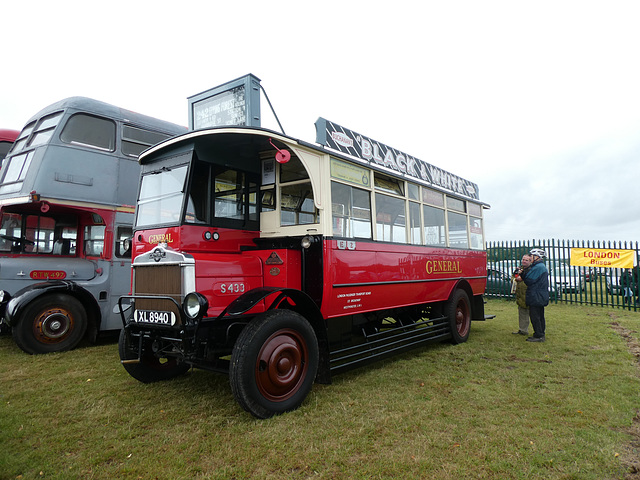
pixel 495 407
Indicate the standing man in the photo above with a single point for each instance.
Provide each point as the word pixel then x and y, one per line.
pixel 628 286
pixel 537 280
pixel 521 296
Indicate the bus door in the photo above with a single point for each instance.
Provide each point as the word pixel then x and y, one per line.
pixel 120 274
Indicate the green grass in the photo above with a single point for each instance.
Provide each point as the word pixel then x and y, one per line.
pixel 496 407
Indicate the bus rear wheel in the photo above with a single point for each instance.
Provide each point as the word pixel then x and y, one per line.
pixel 458 310
pixel 274 363
pixel 149 368
pixel 53 323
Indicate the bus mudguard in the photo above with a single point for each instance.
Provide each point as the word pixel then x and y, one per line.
pixel 302 304
pixel 21 300
pixel 464 285
pixel 477 301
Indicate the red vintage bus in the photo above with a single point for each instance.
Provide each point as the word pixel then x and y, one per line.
pixel 280 262
pixel 7 137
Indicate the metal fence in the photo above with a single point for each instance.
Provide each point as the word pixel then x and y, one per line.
pixel 569 284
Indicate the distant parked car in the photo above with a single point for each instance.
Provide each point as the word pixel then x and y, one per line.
pixel 567 279
pixel 498 283
pixel 591 274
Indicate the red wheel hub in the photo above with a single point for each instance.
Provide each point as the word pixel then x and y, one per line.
pixel 462 318
pixel 281 365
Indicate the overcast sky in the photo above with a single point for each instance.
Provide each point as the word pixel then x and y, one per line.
pixel 536 102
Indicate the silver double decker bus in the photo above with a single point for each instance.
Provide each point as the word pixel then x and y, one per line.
pixel 67 198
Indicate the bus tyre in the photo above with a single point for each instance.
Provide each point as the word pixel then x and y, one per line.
pixel 150 368
pixel 274 363
pixel 458 310
pixel 52 323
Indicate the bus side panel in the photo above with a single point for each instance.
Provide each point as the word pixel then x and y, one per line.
pixel 282 268
pixel 363 276
pixel 224 277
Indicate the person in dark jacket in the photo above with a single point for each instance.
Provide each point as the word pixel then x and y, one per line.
pixel 628 286
pixel 536 277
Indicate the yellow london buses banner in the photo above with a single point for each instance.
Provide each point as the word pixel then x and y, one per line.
pixel 601 257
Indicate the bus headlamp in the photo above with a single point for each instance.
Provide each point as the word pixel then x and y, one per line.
pixel 195 305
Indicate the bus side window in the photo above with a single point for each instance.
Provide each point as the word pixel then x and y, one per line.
pixel 44 130
pixel 351 211
pixel 198 209
pixel 458 230
pixel 434 226
pixel 40 233
pixel 90 131
pixel 296 204
pixel 123 242
pixel 15 172
pixel 135 140
pixel 229 194
pixel 10 228
pixel 66 236
pixel 94 240
pixel 475 233
pixel 390 219
pixel 296 195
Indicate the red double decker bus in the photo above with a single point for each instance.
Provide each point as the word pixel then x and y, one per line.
pixel 280 262
pixel 7 137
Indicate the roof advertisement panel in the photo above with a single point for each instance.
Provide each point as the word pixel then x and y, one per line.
pixel 382 157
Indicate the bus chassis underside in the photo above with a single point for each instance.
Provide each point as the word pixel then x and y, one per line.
pixel 356 339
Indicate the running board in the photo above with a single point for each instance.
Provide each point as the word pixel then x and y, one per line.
pixel 388 341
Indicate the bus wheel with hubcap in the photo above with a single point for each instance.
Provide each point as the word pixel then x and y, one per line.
pixel 150 368
pixel 274 363
pixel 458 310
pixel 53 323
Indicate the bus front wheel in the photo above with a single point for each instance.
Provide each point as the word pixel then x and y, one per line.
pixel 274 363
pixel 53 323
pixel 458 310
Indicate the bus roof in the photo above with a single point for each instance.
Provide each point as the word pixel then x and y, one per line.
pixel 204 137
pixel 97 107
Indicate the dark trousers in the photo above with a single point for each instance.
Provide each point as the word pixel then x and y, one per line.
pixel 537 321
